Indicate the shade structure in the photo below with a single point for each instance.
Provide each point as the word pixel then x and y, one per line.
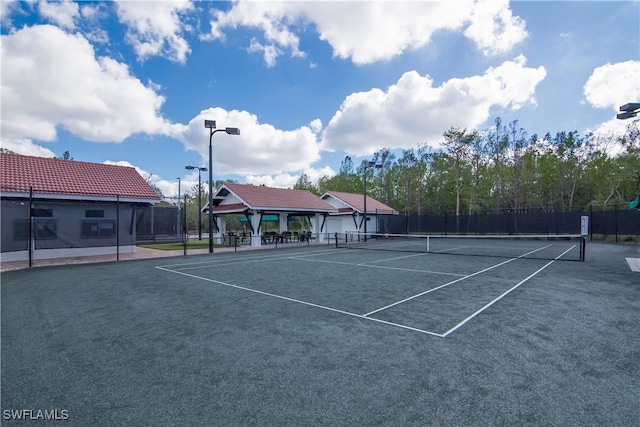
pixel 267 218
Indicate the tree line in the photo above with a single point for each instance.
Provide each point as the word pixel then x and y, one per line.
pixel 501 169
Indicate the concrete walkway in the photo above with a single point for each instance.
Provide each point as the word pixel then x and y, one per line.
pixel 140 253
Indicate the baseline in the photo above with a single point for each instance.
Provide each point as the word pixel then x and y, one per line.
pixel 335 310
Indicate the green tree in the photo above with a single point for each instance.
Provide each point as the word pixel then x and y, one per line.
pixel 153 186
pixel 459 143
pixel 304 183
pixel 346 180
pixel 66 156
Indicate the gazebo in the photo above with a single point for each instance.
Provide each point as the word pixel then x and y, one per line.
pixel 256 202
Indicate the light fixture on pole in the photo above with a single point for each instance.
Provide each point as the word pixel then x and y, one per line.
pixel 367 165
pixel 211 125
pixel 203 169
pixel 629 111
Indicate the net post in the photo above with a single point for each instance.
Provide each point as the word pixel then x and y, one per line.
pixel 428 243
pixel 584 232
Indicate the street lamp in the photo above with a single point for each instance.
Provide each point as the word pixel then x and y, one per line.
pixel 203 169
pixel 211 125
pixel 367 165
pixel 178 204
pixel 629 111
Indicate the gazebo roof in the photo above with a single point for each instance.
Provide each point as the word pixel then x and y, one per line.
pixel 267 199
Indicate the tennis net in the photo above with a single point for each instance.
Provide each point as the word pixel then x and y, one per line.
pixel 546 247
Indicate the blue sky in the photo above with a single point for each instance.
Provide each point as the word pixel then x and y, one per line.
pixel 306 82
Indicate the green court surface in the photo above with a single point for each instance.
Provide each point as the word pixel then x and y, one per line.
pixel 326 336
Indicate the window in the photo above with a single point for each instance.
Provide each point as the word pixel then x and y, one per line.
pixel 90 229
pixel 41 213
pixel 94 213
pixel 107 228
pixel 98 228
pixel 46 229
pixel 21 229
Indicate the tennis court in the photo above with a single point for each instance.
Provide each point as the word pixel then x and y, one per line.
pixel 331 336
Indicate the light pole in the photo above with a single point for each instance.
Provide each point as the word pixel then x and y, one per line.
pixel 178 204
pixel 203 169
pixel 211 125
pixel 367 165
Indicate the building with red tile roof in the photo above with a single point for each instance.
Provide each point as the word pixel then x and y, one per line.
pixel 58 208
pixel 71 180
pixel 351 216
pixel 255 201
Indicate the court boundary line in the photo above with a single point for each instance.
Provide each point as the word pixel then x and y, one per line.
pixel 366 264
pixel 247 260
pixel 495 300
pixel 269 294
pixel 453 282
pixel 367 316
pixel 437 287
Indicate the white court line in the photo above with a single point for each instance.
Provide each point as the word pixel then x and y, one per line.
pixel 335 310
pixel 506 293
pixel 436 288
pixel 386 267
pixel 450 283
pixel 398 257
pixel 245 260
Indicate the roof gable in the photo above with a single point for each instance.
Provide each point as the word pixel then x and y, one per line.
pixel 278 199
pixel 19 173
pixel 356 201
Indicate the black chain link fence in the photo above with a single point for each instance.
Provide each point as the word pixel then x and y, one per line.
pixel 615 223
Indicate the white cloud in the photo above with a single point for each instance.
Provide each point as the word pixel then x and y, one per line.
pixel 51 79
pixel 26 146
pixel 366 32
pixel 613 85
pixel 414 111
pixel 155 28
pixel 493 27
pixel 286 180
pixel 259 149
pixel 169 188
pixel 62 13
pixel 6 7
pixel 278 181
pixel 270 52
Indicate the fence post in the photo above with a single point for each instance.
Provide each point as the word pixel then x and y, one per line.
pixel 615 221
pixel 117 228
pixel 185 227
pixel 30 243
pixel 445 222
pixel 591 221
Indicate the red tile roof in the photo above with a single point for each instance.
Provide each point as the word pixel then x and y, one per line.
pixel 279 199
pixel 356 201
pixel 71 178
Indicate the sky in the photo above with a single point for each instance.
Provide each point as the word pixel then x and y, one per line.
pixel 306 82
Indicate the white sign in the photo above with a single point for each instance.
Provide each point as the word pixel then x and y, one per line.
pixel 584 225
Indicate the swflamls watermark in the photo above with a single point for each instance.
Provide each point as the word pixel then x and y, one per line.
pixel 35 414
